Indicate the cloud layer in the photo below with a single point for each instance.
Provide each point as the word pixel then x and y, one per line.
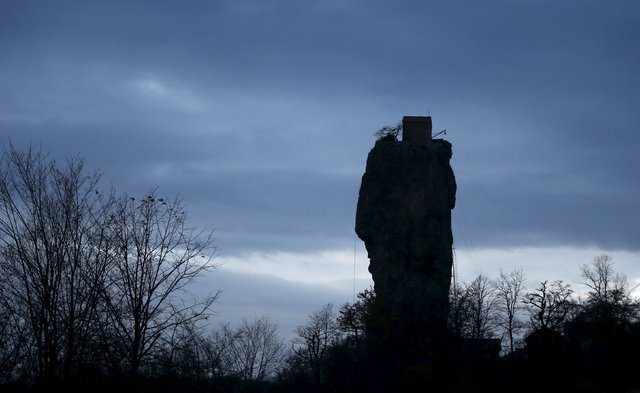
pixel 261 113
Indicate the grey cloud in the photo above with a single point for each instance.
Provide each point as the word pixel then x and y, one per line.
pixel 270 108
pixel 246 295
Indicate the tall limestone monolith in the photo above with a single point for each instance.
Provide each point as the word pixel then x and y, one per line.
pixel 404 218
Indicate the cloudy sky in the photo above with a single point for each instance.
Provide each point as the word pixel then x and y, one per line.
pixel 260 114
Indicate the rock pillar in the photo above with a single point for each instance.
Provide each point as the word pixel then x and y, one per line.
pixel 404 218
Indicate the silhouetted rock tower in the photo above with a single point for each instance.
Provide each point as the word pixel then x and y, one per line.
pixel 404 219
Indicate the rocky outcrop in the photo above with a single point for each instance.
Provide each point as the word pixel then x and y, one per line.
pixel 404 218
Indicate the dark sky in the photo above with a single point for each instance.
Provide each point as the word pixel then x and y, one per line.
pixel 261 113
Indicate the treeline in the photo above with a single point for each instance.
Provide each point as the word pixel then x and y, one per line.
pixel 502 337
pixel 503 308
pixel 95 294
pixel 91 283
pixel 551 338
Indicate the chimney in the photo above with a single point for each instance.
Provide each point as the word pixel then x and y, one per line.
pixel 416 130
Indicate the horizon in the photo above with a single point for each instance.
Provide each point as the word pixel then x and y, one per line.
pixel 261 118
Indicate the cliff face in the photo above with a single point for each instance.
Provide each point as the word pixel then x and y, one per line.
pixel 404 218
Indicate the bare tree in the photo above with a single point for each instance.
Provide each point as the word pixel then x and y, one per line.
pixel 217 349
pixel 609 295
pixel 509 289
pixel 51 261
pixel 602 281
pixel 482 304
pixel 183 352
pixel 13 348
pixel 156 255
pixel 256 352
pixel 458 318
pixel 549 305
pixel 314 340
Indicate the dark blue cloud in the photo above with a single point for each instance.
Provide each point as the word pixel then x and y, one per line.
pixel 261 113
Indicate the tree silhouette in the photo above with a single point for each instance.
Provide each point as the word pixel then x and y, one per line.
pixel 353 318
pixel 458 319
pixel 550 305
pixel 52 257
pixel 389 132
pixel 314 340
pixel 256 351
pixel 482 304
pixel 155 256
pixel 609 295
pixel 509 289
